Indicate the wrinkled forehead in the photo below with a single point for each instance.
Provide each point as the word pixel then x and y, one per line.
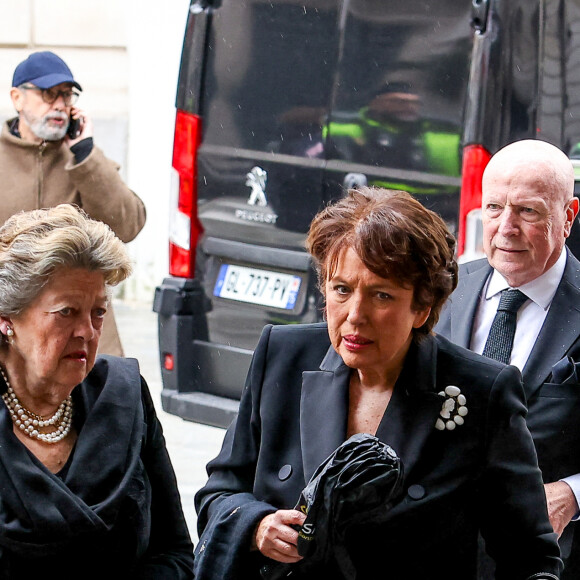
pixel 336 252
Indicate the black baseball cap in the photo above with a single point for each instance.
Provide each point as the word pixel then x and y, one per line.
pixel 44 70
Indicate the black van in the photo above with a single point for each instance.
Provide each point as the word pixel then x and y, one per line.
pixel 284 104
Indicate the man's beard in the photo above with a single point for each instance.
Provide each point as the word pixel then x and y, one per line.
pixel 43 130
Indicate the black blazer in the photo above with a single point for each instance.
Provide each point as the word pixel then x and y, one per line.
pixel 293 414
pixel 554 408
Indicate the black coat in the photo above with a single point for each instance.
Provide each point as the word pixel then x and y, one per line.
pixel 553 408
pixel 114 511
pixel 293 414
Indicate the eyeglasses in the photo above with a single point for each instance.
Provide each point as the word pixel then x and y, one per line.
pixel 49 96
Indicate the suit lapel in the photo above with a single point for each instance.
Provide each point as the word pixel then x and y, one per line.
pixel 464 303
pixel 415 405
pixel 407 423
pixel 323 411
pixel 560 329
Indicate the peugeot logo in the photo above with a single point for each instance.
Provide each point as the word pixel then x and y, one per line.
pixel 256 179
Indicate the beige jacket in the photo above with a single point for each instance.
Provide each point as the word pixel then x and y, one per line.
pixel 36 176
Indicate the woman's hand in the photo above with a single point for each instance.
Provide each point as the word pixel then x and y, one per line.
pixel 275 537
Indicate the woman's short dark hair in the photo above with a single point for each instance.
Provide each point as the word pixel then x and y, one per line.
pixel 395 237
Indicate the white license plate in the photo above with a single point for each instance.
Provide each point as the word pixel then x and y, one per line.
pixel 257 286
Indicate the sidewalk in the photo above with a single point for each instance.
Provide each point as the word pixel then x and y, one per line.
pixel 190 445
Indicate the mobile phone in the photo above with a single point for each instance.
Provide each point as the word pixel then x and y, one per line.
pixel 74 128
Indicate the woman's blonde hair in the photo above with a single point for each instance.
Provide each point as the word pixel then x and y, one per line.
pixel 35 244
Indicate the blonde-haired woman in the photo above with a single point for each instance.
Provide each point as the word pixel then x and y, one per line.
pixel 87 487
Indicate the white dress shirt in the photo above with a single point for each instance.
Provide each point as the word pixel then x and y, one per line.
pixel 530 319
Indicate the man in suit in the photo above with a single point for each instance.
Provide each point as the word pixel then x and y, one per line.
pixel 528 209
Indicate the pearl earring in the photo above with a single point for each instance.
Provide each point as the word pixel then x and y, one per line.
pixel 9 331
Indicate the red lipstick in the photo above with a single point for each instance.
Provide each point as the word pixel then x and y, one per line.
pixel 355 342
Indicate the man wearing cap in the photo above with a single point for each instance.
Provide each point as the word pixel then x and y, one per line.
pixel 42 166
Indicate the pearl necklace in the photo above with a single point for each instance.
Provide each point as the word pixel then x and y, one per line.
pixel 29 422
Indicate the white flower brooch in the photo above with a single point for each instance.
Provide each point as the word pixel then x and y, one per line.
pixel 453 409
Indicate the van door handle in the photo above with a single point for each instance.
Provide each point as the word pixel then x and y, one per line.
pixel 479 11
pixel 198 6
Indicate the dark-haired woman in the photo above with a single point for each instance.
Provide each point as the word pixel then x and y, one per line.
pixel 456 420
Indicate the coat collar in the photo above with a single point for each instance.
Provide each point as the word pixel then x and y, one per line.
pixel 560 329
pixel 409 419
pixel 53 512
pixel 464 302
pixel 8 135
pixel 558 334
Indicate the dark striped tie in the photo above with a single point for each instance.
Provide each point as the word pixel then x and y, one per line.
pixel 501 334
